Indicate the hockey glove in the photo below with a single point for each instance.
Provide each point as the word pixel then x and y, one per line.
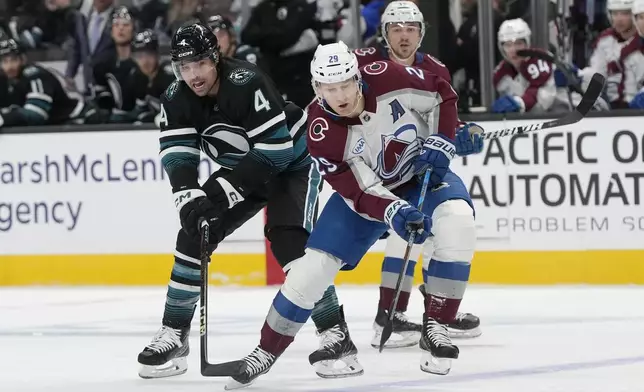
pixel 404 219
pixel 221 193
pixel 637 102
pixel 436 155
pixel 193 206
pixel 561 80
pixel 469 140
pixel 507 104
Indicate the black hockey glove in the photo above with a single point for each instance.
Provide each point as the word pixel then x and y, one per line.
pixel 221 193
pixel 193 206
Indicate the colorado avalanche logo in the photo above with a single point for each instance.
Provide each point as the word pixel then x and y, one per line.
pixel 398 153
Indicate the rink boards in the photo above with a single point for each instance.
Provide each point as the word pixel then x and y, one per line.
pixel 95 208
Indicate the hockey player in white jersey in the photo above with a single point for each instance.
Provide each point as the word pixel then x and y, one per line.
pixel 403 28
pixel 606 55
pixel 632 57
pixel 372 132
pixel 524 84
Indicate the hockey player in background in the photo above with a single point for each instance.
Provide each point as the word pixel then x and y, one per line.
pixel 34 95
pixel 606 55
pixel 145 52
pixel 632 57
pixel 369 134
pixel 231 111
pixel 403 29
pixel 119 84
pixel 227 38
pixel 524 84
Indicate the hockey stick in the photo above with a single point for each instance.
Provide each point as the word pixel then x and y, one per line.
pixel 208 369
pixel 593 91
pixel 389 326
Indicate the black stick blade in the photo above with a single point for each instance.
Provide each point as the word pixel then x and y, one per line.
pixel 594 90
pixel 225 369
pixel 386 333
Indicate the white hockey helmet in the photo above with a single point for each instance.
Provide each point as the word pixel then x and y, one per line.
pixel 402 12
pixel 618 5
pixel 514 29
pixel 334 63
pixel 638 8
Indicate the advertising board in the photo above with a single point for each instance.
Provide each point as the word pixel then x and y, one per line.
pixel 558 206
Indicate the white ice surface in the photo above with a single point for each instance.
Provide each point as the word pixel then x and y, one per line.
pixel 570 339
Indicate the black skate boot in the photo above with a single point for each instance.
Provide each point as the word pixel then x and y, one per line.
pixel 336 347
pixel 256 363
pixel 404 333
pixel 465 325
pixel 166 355
pixel 437 348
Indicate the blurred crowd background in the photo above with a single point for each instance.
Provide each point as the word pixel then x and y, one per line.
pixel 104 61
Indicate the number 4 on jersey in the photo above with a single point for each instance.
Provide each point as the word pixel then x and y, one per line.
pixel 261 103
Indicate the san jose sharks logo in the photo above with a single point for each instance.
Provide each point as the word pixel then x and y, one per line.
pixel 398 153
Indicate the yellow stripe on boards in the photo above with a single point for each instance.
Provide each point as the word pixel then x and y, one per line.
pixel 154 269
pixel 518 268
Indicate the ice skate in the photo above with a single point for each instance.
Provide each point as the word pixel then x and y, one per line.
pixel 337 355
pixel 167 354
pixel 465 325
pixel 404 333
pixel 256 363
pixel 437 348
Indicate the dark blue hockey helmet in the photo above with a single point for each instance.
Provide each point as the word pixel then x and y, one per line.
pixel 146 41
pixel 220 22
pixel 9 46
pixel 121 13
pixel 194 42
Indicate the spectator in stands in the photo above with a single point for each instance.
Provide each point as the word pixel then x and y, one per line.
pixel 227 39
pixel 92 41
pixel 120 85
pixel 145 51
pixel 283 31
pixel 36 95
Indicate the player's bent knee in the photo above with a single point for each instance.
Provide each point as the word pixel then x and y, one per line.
pixel 309 277
pixel 287 243
pixel 454 231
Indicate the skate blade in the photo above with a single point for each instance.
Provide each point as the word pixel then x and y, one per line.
pixel 174 367
pixel 341 368
pixel 464 334
pixel 397 339
pixel 433 365
pixel 232 385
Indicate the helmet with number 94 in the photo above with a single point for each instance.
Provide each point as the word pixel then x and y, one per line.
pixel 336 79
pixel 403 28
pixel 194 52
pixel 638 16
pixel 513 35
